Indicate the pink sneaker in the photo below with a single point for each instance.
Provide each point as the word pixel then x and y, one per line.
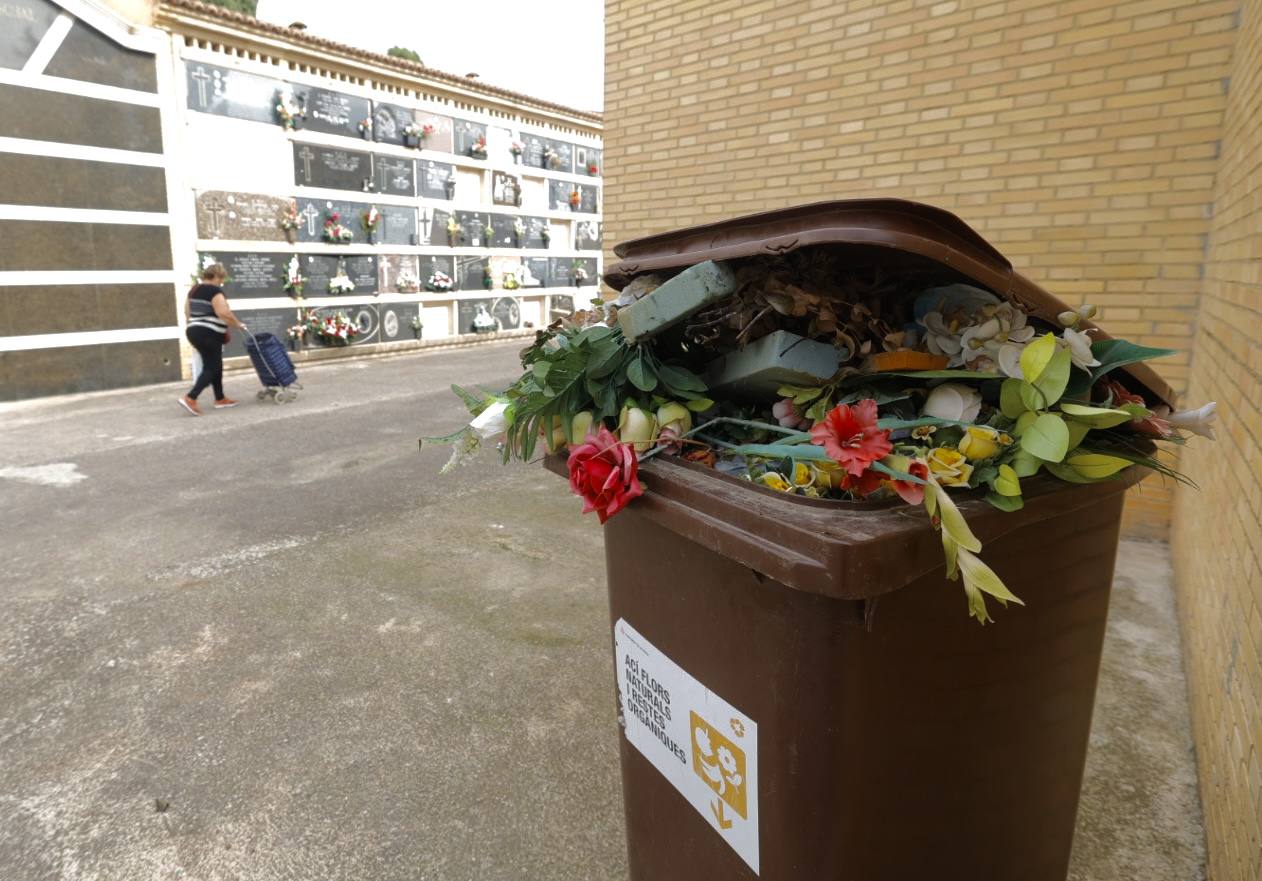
pixel 190 405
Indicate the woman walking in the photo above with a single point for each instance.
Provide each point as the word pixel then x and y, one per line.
pixel 208 316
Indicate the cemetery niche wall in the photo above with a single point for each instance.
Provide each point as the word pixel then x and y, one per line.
pixel 322 176
pixel 408 212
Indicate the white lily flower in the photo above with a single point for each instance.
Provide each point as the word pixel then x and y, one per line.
pixel 1199 421
pixel 1079 345
pixel 491 422
pixel 1009 360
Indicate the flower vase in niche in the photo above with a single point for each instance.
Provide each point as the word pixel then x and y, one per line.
pixel 488 277
pixel 580 276
pixel 546 235
pixel 450 186
pixel 576 200
pixel 341 283
pixel 550 159
pixel 418 328
pixel 370 220
pixel 593 169
pixel 516 149
pixel 334 232
pixel 455 232
pixel 483 321
pixel 288 222
pixel 519 232
pixel 365 128
pixel 289 111
pixel 478 148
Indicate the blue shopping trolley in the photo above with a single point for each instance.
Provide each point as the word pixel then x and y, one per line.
pixel 275 370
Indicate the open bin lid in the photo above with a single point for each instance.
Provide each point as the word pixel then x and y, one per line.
pixel 897 224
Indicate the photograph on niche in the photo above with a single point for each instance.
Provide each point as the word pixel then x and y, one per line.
pixel 505 189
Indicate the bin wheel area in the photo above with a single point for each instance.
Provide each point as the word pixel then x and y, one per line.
pixel 262 394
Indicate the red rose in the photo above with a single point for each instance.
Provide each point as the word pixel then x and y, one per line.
pixel 850 436
pixel 603 471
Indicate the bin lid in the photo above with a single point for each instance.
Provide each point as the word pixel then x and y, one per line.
pixel 897 224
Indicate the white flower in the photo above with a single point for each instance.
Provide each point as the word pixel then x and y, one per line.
pixel 941 339
pixel 1200 421
pixel 1079 345
pixel 491 422
pixel 953 402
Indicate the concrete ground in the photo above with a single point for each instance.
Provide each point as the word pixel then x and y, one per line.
pixel 273 643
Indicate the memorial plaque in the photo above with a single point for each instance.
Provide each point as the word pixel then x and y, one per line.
pixel 396 321
pixel 587 235
pixel 331 168
pixel 559 272
pixel 465 135
pixel 274 321
pixel 589 266
pixel 534 232
pixel 505 189
pixel 253 274
pixel 534 272
pixel 506 310
pixel 589 199
pixel 388 122
pixel 363 314
pixel 87 55
pixel 433 225
pixel 565 153
pixel 313 212
pixel 442 137
pixel 394 176
pixel 431 263
pixel 232 93
pixel 533 148
pixel 585 156
pixel 22 24
pixel 335 113
pixel 562 306
pixel 240 216
pixel 398 226
pixel 559 194
pixel 477 228
pixel 502 234
pixel 321 268
pixel 469 274
pixel 434 178
pixel 390 265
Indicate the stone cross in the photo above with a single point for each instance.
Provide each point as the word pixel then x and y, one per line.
pixel 202 78
pixel 306 156
pixel 311 214
pixel 214 209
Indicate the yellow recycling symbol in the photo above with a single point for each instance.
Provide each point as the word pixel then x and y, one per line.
pixel 721 764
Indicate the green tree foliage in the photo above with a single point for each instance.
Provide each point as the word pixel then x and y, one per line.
pixel 249 7
pixel 407 54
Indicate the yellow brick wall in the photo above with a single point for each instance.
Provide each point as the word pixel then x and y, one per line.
pixel 1080 136
pixel 1217 536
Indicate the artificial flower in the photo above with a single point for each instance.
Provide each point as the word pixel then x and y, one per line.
pixel 604 472
pixel 862 485
pixel 1079 345
pixel 829 475
pixel 774 480
pixel 803 475
pixel 924 432
pixel 1199 421
pixel 1146 422
pixel 638 427
pixel 949 467
pixel 581 424
pixel 910 492
pixel 788 414
pixel 491 422
pixel 674 416
pixel 953 402
pixel 849 434
pixel 980 442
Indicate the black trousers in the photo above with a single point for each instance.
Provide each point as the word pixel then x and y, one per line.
pixel 209 344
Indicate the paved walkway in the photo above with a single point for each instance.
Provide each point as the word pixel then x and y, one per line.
pixel 273 644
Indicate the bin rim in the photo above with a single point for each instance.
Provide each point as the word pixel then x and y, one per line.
pixel 899 224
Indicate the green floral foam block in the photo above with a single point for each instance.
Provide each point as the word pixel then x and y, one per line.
pixel 693 289
pixel 780 358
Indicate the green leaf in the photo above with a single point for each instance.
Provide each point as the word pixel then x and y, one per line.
pixel 1113 354
pixel 1077 431
pixel 1037 355
pixel 680 378
pixel 950 550
pixel 1024 421
pixel 605 359
pixel 1095 417
pixel 640 375
pixel 1031 397
pixel 699 405
pixel 1010 400
pixel 1096 466
pixel 1025 465
pixel 1063 472
pixel 475 403
pixel 1007 483
pixel 1047 438
pixel 982 577
pixel 803 452
pixel 540 370
pixel 978 375
pixel 1055 376
pixel 1005 503
pixel 976 603
pixel 953 521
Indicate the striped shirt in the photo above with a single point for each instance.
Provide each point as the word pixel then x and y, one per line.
pixel 200 311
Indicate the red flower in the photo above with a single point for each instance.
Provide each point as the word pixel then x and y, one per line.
pixel 850 436
pixel 864 485
pixel 603 471
pixel 912 493
pixel 1151 425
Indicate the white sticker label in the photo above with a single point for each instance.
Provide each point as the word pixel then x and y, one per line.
pixel 703 745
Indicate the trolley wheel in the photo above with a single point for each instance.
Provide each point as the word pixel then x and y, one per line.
pixel 278 398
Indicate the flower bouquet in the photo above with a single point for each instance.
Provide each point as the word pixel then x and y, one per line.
pixel 578 274
pixel 478 148
pixel 576 200
pixel 289 111
pixel 365 128
pixel 926 387
pixel 488 277
pixel 288 222
pixel 334 232
pixel 334 330
pixel 516 149
pixel 370 221
pixel 418 326
pixel 415 135
pixel 593 169
pixel 407 282
pixel 294 280
pixel 439 283
pixel 551 159
pixel 519 232
pixel 455 231
pixel 510 282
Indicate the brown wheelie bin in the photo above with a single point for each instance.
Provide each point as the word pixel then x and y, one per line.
pixel 802 696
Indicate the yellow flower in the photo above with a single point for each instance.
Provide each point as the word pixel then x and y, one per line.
pixel 949 467
pixel 1005 439
pixel 979 442
pixel 828 475
pixel 923 432
pixel 802 474
pixel 775 481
